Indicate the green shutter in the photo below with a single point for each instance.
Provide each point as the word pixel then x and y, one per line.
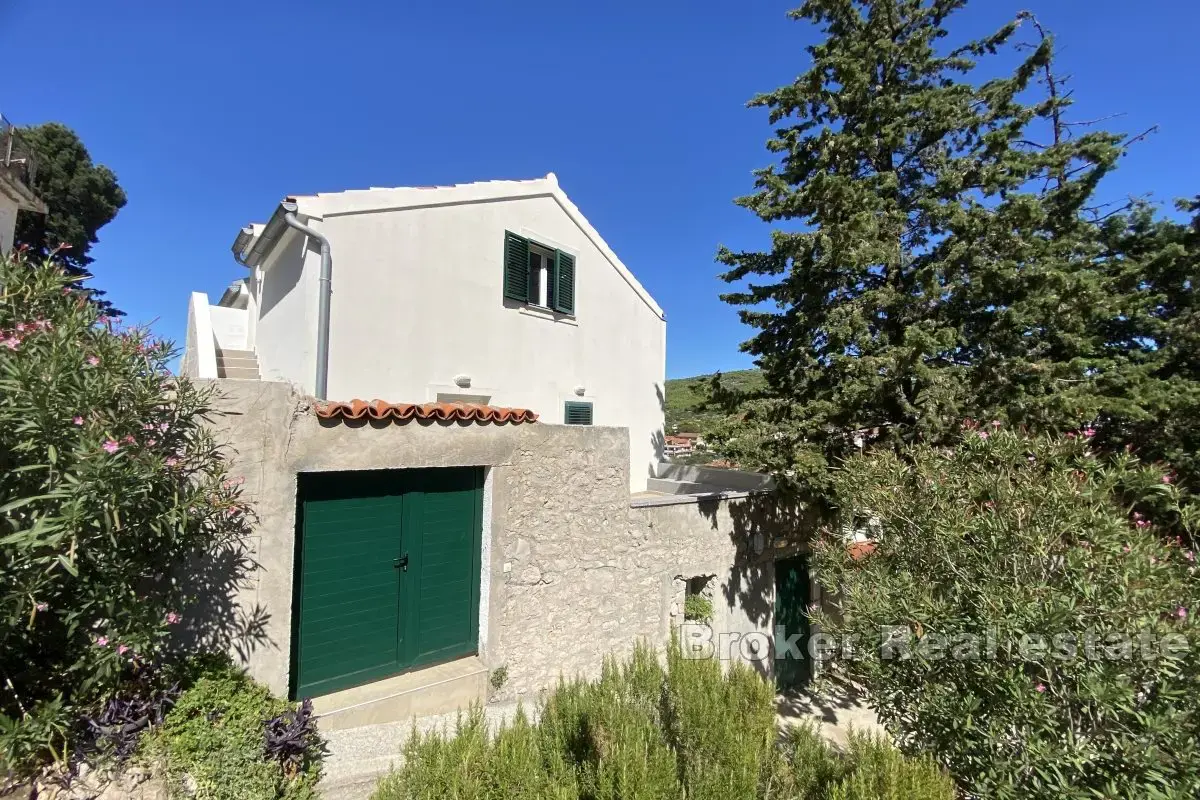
pixel 516 267
pixel 577 413
pixel 564 283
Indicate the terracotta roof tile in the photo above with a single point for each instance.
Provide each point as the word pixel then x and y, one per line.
pixel 441 412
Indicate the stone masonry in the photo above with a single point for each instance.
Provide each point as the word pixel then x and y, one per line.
pixel 572 571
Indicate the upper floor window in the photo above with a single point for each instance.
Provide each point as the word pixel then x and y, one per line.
pixel 538 275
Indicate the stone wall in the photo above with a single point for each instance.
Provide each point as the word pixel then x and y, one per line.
pixel 571 571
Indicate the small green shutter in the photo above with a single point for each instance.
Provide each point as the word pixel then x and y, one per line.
pixel 564 283
pixel 516 267
pixel 577 413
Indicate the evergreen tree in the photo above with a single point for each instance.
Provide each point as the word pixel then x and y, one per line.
pixel 82 197
pixel 944 255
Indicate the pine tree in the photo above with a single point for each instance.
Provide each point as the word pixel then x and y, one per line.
pixel 938 252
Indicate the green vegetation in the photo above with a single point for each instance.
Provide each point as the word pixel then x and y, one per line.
pixel 110 481
pixel 941 250
pixel 687 406
pixel 1046 644
pixel 690 731
pixel 228 738
pixel 697 608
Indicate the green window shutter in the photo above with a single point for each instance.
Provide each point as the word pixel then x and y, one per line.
pixel 564 283
pixel 577 413
pixel 516 267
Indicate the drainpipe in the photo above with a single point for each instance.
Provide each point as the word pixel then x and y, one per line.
pixel 324 289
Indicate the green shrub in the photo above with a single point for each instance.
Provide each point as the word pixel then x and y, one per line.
pixel 108 482
pixel 213 740
pixel 697 608
pixel 639 733
pixel 1006 537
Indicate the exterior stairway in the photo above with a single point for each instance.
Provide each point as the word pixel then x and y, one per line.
pixel 239 364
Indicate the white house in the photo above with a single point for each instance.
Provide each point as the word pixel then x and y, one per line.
pixel 498 293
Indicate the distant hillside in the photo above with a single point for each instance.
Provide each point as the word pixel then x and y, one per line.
pixel 684 396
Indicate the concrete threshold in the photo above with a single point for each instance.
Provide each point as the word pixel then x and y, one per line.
pixel 438 689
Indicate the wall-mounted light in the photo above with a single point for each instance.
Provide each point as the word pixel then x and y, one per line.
pixel 462 381
pixel 579 390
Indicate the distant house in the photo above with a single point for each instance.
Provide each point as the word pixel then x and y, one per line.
pixel 17 170
pixel 498 293
pixel 679 444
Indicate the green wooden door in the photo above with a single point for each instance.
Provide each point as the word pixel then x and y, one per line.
pixel 791 602
pixel 388 574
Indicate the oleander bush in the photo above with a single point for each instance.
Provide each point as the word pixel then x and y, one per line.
pixel 109 482
pixel 1027 614
pixel 642 732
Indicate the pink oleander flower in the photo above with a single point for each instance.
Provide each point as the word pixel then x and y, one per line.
pixel 1190 556
pixel 1125 549
pixel 173 618
pixel 122 649
pixel 101 641
pixel 110 446
pixel 20 327
pixel 1088 432
pixel 1181 612
pixel 990 504
pixel 172 461
pixel 1143 523
pixel 983 434
pixel 77 420
pixel 128 440
pixel 1041 688
pixel 1166 478
pixel 41 606
pixel 996 423
pixel 12 342
pixel 1070 434
pixel 162 427
pixel 93 360
pixel 151 442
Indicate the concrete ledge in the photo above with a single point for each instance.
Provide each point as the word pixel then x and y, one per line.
pixel 647 500
pixel 713 476
pixel 439 689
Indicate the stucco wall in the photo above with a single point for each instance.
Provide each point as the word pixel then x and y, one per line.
pixel 418 300
pixel 573 572
pixel 285 335
pixel 8 221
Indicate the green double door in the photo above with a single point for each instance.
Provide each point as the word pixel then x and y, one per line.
pixel 387 574
pixel 792 596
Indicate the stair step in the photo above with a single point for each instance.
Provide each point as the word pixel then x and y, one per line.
pixel 238 363
pixel 236 354
pixel 437 690
pixel 239 373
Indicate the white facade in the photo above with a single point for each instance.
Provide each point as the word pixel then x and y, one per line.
pixel 8 221
pixel 417 312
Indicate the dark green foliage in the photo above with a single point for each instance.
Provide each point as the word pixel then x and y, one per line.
pixel 216 739
pixel 1006 536
pixel 109 481
pixel 687 399
pixel 82 197
pixel 690 731
pixel 939 254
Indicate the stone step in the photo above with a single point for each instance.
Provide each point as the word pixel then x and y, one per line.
pixel 236 354
pixel 238 363
pixel 238 373
pixel 435 690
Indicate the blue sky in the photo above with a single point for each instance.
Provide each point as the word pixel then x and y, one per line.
pixel 211 112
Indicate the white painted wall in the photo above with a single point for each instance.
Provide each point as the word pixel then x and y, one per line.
pixel 418 299
pixel 229 327
pixel 8 221
pixel 285 334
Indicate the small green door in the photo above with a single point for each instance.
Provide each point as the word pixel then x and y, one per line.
pixel 791 602
pixel 388 574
